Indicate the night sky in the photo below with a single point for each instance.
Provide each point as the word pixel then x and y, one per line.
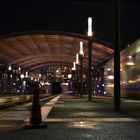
pixel 70 16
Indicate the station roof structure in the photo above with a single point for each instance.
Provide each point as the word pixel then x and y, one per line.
pixel 33 47
pixel 33 50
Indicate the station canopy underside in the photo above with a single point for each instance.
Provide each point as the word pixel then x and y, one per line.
pixel 33 50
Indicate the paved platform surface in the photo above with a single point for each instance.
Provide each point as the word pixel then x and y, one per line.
pixel 73 118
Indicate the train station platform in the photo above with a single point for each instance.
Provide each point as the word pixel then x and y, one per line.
pixel 73 118
pixel 71 108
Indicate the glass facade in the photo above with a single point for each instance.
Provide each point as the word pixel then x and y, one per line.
pixel 129 72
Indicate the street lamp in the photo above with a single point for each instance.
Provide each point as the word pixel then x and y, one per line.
pixel 69 80
pixel 73 75
pixel 77 71
pixel 26 74
pixel 74 66
pixel 77 59
pixel 90 40
pixel 81 56
pixel 22 82
pixel 27 82
pixel 90 33
pixel 19 69
pixel 9 79
pixel 9 67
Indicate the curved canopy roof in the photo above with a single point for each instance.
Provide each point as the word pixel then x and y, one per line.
pixel 32 50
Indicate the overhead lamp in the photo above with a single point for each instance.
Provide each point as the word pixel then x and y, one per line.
pixel 26 74
pixel 9 67
pixel 32 78
pixel 22 76
pixel 19 68
pixel 69 76
pixel 90 33
pixel 111 77
pixel 108 69
pixel 81 48
pixel 74 66
pixel 130 61
pixel 77 58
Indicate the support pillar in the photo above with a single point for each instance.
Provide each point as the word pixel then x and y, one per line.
pixel 116 44
pixel 90 69
pixel 81 76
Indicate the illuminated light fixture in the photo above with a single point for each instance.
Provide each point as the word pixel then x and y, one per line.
pixel 90 33
pixel 65 84
pixel 22 76
pixel 104 92
pixel 17 79
pixel 40 75
pixel 84 76
pixel 69 76
pixel 108 69
pixel 81 122
pixel 42 83
pixel 77 58
pixel 26 74
pixel 9 67
pixel 57 71
pixel 24 83
pixel 131 81
pixel 130 61
pixel 81 48
pixel 65 67
pixel 19 68
pixel 111 77
pixel 74 66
